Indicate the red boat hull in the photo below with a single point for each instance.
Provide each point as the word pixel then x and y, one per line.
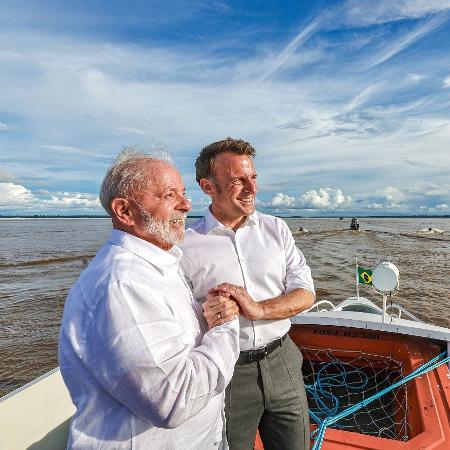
pixel 428 412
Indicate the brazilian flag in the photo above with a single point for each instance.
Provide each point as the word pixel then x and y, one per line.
pixel 364 276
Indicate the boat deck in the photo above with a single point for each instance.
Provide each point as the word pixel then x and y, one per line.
pixel 426 399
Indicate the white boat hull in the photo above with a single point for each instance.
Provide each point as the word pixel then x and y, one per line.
pixel 36 416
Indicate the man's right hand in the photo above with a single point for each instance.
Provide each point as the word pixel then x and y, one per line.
pixel 219 309
pixel 250 309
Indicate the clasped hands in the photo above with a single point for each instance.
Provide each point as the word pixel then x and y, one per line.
pixel 226 301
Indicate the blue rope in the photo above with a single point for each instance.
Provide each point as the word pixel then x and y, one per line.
pixel 324 383
pixel 337 380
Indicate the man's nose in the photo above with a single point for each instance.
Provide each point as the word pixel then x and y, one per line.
pixel 250 186
pixel 185 204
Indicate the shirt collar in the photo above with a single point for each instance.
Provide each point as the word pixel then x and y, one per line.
pixel 211 223
pixel 164 261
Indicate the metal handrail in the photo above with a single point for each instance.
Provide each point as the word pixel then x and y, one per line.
pixel 400 309
pixel 404 311
pixel 316 306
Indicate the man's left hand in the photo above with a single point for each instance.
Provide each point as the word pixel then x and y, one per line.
pixel 219 309
pixel 250 309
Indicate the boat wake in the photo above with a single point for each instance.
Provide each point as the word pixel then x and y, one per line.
pixel 43 262
pixel 426 233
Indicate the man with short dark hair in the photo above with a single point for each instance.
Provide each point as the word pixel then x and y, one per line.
pixel 141 366
pixel 237 253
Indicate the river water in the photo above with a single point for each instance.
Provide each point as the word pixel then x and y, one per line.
pixel 41 258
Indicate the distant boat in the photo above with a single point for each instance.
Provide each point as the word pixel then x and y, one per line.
pixel 432 230
pixel 354 225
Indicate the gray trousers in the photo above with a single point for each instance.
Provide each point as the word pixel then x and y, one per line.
pixel 269 394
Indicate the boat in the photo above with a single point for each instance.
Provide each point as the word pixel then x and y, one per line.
pixel 37 415
pixel 376 378
pixel 354 225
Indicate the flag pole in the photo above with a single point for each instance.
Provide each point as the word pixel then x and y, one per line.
pixel 357 280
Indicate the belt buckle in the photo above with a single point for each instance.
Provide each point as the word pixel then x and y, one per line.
pixel 261 353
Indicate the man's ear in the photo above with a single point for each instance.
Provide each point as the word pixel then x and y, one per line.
pixel 208 186
pixel 123 213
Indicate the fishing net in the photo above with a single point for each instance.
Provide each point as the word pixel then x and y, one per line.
pixel 337 379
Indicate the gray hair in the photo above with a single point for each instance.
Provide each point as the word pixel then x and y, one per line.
pixel 129 175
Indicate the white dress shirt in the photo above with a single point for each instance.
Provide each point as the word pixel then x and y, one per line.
pixel 260 256
pixel 134 353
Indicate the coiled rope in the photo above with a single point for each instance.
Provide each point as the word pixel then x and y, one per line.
pixel 318 391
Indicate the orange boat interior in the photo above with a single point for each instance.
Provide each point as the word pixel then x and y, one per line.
pixel 419 410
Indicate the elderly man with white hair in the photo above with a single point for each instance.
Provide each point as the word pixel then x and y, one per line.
pixel 144 368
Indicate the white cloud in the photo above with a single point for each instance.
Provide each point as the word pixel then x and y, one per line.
pixel 7 127
pixel 430 190
pixel 446 82
pixel 378 206
pixel 169 104
pixel 384 206
pixel 66 200
pixel 130 130
pixel 14 194
pixel 333 122
pixel 368 12
pixel 408 39
pixel 428 198
pixel 362 97
pixel 327 198
pixel 70 150
pixel 281 199
pixel 393 194
pixel 415 77
pixel 437 209
pixel 289 51
pixel 62 148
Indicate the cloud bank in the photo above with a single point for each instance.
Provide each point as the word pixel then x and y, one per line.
pixel 354 96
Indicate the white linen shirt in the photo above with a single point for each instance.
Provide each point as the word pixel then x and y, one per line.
pixel 260 256
pixel 133 351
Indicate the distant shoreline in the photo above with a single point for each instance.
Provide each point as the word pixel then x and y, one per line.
pixel 447 216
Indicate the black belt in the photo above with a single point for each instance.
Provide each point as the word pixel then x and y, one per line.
pixel 251 356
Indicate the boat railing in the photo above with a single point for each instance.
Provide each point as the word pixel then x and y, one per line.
pixel 315 307
pixel 399 310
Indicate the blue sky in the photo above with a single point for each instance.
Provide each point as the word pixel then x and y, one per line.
pixel 346 102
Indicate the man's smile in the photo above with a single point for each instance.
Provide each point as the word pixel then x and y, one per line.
pixel 246 199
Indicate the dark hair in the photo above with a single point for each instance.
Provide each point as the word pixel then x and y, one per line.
pixel 205 162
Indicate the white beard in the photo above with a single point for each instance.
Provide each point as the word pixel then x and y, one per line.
pixel 161 229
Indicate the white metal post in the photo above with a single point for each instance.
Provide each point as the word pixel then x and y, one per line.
pixel 357 280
